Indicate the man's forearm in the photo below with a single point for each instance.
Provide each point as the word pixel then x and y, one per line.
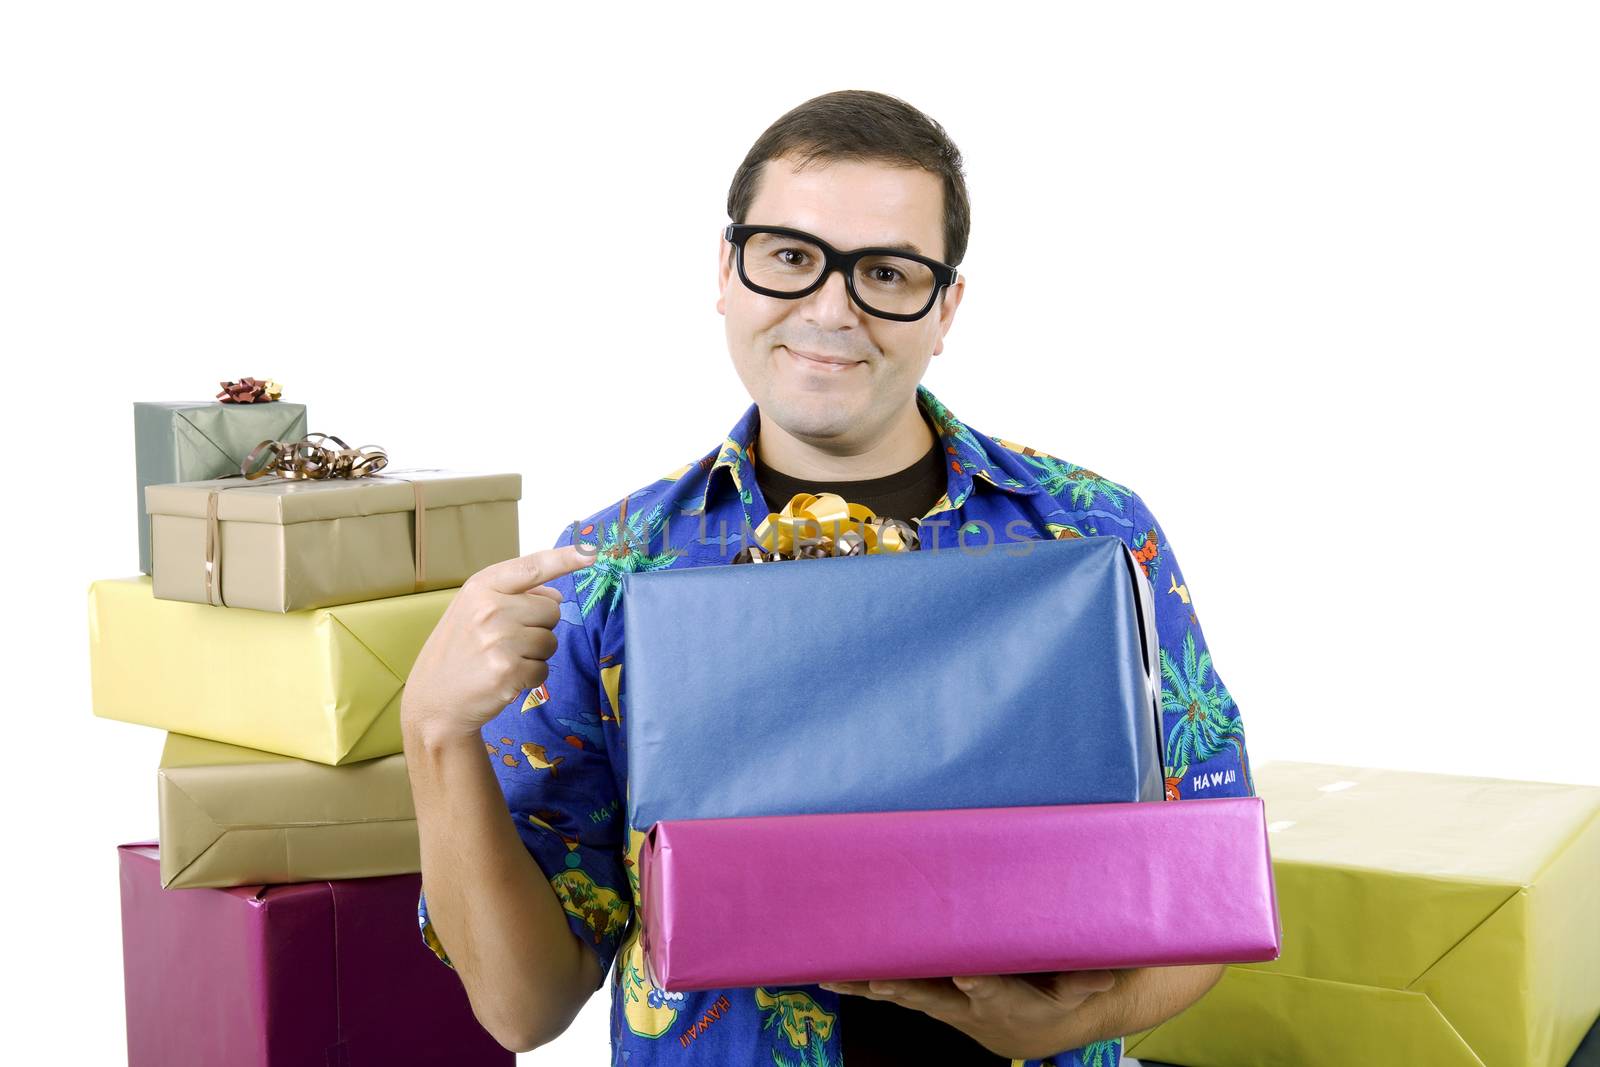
pixel 494 912
pixel 1141 998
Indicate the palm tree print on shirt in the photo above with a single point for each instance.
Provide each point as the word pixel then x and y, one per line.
pixel 1204 726
pixel 623 549
pixel 801 1020
pixel 1102 1053
pixel 1057 475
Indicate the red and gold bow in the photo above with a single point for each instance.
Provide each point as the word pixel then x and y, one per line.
pixel 250 391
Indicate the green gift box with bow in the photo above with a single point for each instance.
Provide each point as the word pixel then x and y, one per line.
pixel 186 441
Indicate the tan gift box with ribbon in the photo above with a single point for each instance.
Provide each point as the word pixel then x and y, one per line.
pixel 282 544
pixel 238 816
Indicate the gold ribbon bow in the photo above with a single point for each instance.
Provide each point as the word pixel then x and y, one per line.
pixel 826 525
pixel 307 458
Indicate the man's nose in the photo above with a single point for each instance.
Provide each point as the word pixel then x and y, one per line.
pixel 831 305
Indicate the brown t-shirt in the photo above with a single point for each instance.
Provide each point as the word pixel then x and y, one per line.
pixel 877 1033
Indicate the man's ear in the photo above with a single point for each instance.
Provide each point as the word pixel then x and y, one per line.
pixel 724 263
pixel 949 300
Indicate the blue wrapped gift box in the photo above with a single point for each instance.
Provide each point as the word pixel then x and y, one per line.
pixel 1014 675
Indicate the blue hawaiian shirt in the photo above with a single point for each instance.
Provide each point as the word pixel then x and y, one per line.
pixel 558 749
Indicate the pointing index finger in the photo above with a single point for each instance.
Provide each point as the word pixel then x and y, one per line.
pixel 523 573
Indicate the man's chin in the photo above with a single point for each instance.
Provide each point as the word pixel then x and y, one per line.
pixel 810 414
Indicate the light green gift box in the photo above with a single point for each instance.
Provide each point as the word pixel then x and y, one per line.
pixel 1427 919
pixel 188 441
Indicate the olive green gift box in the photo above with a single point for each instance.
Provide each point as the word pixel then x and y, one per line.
pixel 1427 919
pixel 186 441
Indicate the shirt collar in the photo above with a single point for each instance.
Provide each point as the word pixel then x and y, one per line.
pixel 967 457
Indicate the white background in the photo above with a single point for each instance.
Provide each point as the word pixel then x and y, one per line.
pixel 1318 281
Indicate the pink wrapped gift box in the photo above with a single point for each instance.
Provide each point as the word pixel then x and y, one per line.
pixel 799 899
pixel 325 973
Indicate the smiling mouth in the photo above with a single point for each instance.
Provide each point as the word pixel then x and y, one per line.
pixel 821 364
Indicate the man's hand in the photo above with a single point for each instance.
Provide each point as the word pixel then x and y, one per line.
pixel 495 913
pixel 1022 1017
pixel 491 643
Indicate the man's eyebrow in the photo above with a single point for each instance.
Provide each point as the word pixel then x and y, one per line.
pixel 894 246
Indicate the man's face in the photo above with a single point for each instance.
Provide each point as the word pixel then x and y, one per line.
pixel 849 205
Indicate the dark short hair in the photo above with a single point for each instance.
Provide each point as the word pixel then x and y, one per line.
pixel 854 124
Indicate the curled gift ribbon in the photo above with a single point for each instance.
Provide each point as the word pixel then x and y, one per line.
pixel 812 525
pixel 250 391
pixel 308 458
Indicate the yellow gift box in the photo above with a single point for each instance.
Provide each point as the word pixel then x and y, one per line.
pixel 1427 919
pixel 322 684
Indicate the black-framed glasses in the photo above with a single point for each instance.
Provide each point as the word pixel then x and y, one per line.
pixel 890 283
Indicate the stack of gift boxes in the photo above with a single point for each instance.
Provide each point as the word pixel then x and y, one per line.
pixel 957 754
pixel 288 582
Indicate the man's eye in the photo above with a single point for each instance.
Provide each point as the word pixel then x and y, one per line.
pixel 887 275
pixel 797 262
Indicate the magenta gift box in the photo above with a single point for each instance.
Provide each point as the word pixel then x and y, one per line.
pixel 799 899
pixel 330 974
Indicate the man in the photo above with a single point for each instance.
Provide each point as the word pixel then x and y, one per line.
pixel 516 698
